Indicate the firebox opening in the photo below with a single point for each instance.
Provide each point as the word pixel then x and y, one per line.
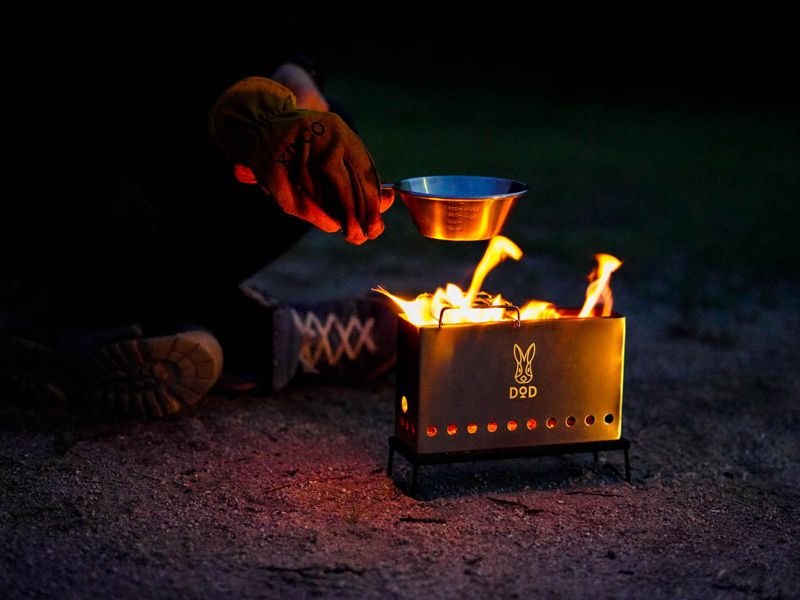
pixel 552 422
pixel 609 419
pixel 570 421
pixel 589 419
pixel 491 427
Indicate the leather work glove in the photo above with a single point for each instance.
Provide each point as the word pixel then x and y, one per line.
pixel 314 166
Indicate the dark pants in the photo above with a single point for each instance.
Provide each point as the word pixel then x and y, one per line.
pixel 158 254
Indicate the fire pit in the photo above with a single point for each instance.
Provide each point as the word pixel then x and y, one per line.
pixel 487 379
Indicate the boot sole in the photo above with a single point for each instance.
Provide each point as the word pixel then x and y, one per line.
pixel 150 377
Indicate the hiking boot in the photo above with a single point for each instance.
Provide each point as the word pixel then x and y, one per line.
pixel 118 371
pixel 149 376
pixel 338 341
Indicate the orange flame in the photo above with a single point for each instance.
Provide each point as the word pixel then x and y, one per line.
pixel 498 249
pixel 475 306
pixel 599 288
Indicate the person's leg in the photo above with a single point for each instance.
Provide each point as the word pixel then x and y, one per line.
pixel 267 340
pixel 120 294
pixel 73 330
pixel 242 231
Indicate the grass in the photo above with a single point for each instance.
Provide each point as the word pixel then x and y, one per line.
pixel 718 186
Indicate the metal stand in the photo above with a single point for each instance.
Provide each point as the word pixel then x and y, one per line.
pixel 444 458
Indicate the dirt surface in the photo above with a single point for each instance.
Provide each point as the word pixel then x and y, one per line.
pixel 286 494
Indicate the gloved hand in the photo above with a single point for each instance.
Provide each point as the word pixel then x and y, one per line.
pixel 314 166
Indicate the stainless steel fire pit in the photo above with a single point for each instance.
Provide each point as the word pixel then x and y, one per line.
pixel 473 391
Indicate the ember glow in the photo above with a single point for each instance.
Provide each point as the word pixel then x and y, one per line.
pixel 461 306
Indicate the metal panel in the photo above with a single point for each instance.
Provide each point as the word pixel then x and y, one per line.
pixel 553 370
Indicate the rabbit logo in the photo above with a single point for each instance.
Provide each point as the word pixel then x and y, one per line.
pixel 524 373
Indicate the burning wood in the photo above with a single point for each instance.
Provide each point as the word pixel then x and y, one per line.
pixel 471 306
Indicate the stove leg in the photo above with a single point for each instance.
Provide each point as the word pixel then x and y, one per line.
pixel 414 474
pixel 627 466
pixel 390 464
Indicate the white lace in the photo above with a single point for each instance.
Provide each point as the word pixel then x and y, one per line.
pixel 317 339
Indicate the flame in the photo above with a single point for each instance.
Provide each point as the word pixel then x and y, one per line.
pixel 599 288
pixel 498 249
pixel 454 305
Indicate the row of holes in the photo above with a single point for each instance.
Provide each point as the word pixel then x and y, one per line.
pixel 531 424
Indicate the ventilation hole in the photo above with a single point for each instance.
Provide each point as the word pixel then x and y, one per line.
pixel 512 425
pixel 412 429
pixel 452 430
pixel 402 422
pixel 408 425
pixel 551 422
pixel 531 424
pixel 472 428
pixel 589 419
pixel 570 421
pixel 404 404
pixel 432 431
pixel 609 418
pixel 491 427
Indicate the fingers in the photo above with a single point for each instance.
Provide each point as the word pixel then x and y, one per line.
pixel 373 222
pixel 387 198
pixel 358 208
pixel 244 175
pixel 314 215
pixel 375 206
pixel 298 203
pixel 368 198
pixel 375 228
pixel 342 199
pixel 376 225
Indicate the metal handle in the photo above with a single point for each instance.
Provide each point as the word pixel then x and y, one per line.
pixel 517 323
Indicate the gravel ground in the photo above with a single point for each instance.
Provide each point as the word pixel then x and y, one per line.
pixel 286 494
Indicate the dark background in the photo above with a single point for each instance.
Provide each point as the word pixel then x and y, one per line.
pixel 672 142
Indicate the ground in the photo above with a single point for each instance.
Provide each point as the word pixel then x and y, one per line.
pixel 286 495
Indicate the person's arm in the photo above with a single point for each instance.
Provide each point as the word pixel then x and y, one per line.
pixel 305 90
